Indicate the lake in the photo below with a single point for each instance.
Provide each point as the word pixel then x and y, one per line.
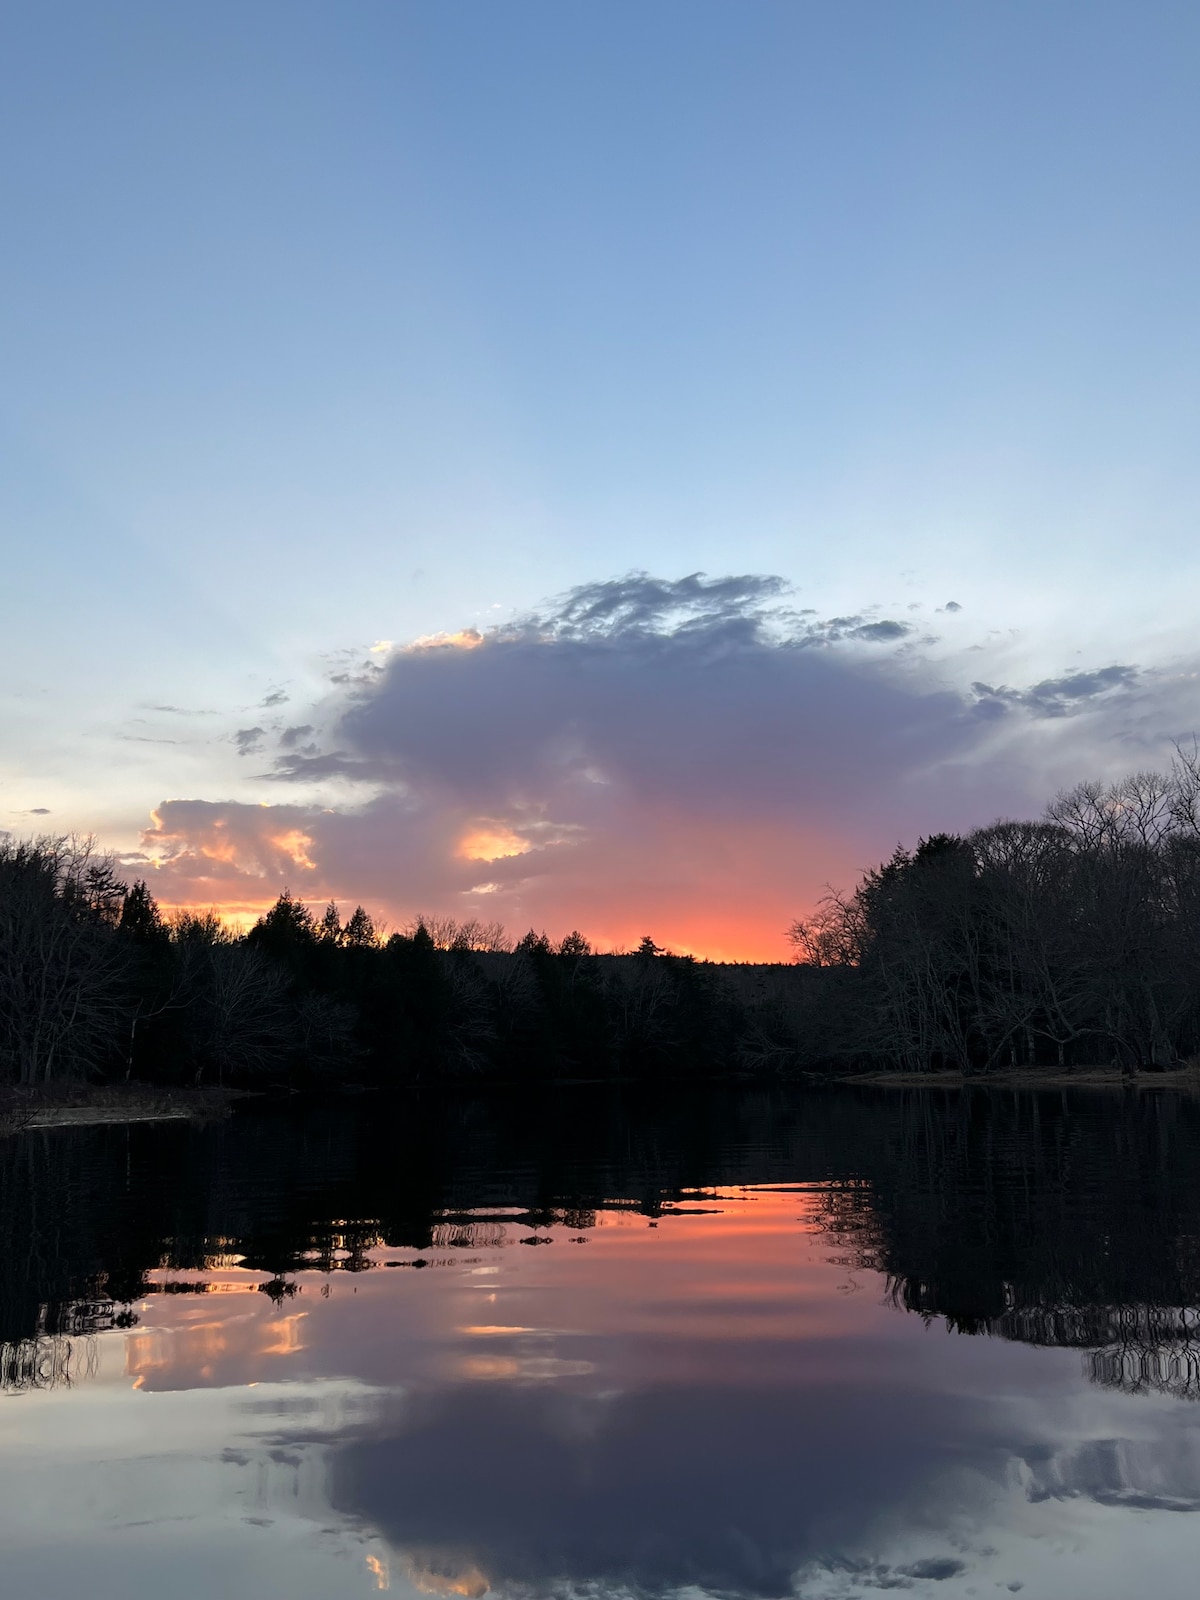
pixel 606 1342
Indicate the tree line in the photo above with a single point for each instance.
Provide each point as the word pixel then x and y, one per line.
pixel 96 983
pixel 1068 941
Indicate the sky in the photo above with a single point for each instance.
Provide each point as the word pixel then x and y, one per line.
pixel 615 466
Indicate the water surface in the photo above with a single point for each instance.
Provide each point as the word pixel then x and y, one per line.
pixel 604 1343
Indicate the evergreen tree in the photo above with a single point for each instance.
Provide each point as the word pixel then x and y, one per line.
pixel 359 933
pixel 140 917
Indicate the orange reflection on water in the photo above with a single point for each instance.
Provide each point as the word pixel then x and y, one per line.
pixel 708 1288
pixel 446 1575
pixel 187 1337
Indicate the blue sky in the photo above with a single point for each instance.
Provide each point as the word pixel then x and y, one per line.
pixel 327 325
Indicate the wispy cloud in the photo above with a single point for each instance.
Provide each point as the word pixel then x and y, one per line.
pixel 1059 697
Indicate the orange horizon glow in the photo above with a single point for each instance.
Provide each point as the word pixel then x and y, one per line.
pixel 741 940
pixel 716 888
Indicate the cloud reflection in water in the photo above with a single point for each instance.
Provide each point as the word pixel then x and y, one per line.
pixel 718 1398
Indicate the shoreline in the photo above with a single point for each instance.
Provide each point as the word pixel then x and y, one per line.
pixel 97 1105
pixel 85 1106
pixel 1183 1078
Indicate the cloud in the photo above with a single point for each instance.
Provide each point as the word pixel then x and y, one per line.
pixel 700 691
pixel 249 740
pixel 695 758
pixel 878 632
pixel 1059 697
pixel 641 604
pixel 205 852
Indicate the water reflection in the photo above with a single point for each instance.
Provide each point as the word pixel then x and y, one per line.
pixel 761 1345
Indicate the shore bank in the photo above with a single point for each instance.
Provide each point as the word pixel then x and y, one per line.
pixel 87 1105
pixel 83 1105
pixel 1186 1078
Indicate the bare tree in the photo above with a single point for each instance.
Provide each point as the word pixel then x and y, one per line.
pixel 64 1000
pixel 1024 941
pixel 239 1020
pixel 448 933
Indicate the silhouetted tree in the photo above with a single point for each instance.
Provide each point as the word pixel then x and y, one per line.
pixel 287 933
pixel 359 933
pixel 65 997
pixel 140 917
pixel 1071 939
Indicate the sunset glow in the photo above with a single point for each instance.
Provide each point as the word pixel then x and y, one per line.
pixel 599 800
pixel 492 843
pixel 631 520
pixel 295 846
pixel 463 639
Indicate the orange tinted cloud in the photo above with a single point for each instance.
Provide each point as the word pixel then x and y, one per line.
pixel 295 845
pixel 464 639
pixel 697 885
pixel 680 759
pixel 493 842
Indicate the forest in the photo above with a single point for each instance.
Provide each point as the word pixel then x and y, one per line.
pixel 1066 942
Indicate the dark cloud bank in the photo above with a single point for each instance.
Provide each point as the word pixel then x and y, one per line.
pixel 696 750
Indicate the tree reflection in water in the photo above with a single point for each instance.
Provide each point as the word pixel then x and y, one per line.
pixel 1062 1219
pixel 49 1361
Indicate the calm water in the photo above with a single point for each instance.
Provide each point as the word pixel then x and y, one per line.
pixel 594 1343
